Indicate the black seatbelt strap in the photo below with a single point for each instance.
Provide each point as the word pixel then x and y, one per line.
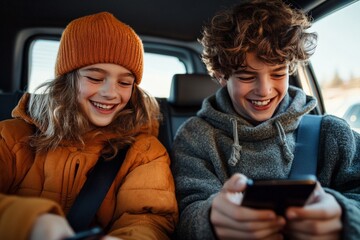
pixel 165 130
pixel 307 145
pixel 94 190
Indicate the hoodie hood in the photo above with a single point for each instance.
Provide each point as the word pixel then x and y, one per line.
pixel 218 110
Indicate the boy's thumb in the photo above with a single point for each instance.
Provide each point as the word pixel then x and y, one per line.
pixel 237 183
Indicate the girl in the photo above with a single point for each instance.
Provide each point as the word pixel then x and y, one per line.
pixel 93 107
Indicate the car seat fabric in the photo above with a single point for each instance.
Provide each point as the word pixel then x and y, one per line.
pixel 8 101
pixel 186 95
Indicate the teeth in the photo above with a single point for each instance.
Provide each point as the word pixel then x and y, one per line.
pixel 260 103
pixel 103 106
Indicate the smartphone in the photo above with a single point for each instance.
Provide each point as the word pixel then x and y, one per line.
pixel 92 234
pixel 278 194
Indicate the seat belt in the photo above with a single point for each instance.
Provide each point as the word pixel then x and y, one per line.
pixel 91 195
pixel 307 145
pixel 165 133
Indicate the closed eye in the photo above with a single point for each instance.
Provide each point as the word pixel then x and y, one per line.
pixel 246 78
pixel 123 83
pixel 278 76
pixel 94 79
pixel 127 80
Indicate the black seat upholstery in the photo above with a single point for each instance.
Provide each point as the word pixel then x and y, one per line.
pixel 8 102
pixel 186 95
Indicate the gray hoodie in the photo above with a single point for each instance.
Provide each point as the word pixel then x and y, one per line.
pixel 211 147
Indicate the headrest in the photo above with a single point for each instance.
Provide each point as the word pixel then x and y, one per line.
pixel 191 89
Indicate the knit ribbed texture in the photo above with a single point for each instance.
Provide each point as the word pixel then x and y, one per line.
pixel 99 38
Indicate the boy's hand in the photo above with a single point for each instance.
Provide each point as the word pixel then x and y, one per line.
pixel 319 219
pixel 232 221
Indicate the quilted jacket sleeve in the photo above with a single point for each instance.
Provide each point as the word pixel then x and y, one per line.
pixel 17 215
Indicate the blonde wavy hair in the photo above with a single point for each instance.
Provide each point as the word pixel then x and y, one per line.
pixel 59 116
pixel 271 29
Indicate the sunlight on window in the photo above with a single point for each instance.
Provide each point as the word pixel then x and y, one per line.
pixel 42 59
pixel 336 61
pixel 158 72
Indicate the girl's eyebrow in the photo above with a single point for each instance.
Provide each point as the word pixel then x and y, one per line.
pixel 100 70
pixel 92 69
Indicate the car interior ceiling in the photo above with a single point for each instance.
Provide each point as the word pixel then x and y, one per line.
pixel 174 20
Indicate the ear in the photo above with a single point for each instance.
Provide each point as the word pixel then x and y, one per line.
pixel 220 79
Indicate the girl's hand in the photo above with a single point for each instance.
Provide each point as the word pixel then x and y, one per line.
pixel 232 221
pixel 50 227
pixel 319 219
pixel 54 227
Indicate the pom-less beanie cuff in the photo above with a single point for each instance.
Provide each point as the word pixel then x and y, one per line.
pixel 99 38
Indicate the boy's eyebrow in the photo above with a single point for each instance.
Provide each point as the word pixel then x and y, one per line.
pixel 280 68
pixel 243 71
pixel 249 71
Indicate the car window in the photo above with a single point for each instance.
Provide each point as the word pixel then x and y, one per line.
pixel 336 62
pixel 158 68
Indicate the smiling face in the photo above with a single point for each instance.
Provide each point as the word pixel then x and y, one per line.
pixel 104 90
pixel 257 89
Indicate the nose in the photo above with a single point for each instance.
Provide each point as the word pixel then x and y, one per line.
pixel 108 88
pixel 263 87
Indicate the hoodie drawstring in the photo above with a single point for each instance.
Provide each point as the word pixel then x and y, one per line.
pixel 288 155
pixel 236 148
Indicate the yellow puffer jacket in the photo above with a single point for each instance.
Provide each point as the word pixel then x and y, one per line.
pixel 140 204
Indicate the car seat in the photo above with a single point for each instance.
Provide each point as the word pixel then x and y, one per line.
pixel 186 95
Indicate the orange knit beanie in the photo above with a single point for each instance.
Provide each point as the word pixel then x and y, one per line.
pixel 99 38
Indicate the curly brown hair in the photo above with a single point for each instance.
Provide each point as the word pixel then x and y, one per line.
pixel 271 29
pixel 60 118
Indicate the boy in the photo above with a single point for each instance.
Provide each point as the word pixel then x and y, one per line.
pixel 248 130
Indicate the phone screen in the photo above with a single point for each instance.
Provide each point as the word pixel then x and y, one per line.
pixel 278 194
pixel 95 233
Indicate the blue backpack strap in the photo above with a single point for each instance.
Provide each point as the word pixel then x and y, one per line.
pixel 307 145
